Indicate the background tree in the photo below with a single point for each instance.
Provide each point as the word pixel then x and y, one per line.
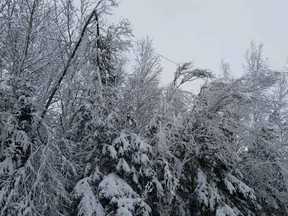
pixel 141 98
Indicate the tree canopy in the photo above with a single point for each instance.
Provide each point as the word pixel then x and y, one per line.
pixel 86 128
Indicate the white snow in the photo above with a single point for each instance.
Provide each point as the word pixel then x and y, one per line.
pixel 142 145
pixel 233 184
pixel 108 149
pixel 89 205
pixel 119 192
pixel 97 174
pixel 207 193
pixel 123 139
pixel 114 186
pixel 123 212
pixel 123 166
pixel 6 166
pixel 22 138
pixel 225 211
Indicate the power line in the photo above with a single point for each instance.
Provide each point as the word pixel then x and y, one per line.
pixel 162 56
pixel 173 62
pixel 166 58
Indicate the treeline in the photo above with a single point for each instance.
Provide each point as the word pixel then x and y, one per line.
pixel 83 134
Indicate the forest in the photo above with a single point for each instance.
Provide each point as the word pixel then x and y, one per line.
pixel 87 128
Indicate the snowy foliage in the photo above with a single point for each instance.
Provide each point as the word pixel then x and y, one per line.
pixel 207 193
pixel 83 134
pixel 234 185
pixel 89 204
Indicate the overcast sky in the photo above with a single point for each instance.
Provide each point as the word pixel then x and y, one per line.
pixel 207 31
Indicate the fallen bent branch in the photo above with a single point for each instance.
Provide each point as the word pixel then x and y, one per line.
pixel 65 69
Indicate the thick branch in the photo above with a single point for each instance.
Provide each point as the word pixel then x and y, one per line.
pixel 65 69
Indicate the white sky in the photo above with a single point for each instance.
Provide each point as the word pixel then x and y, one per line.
pixel 206 31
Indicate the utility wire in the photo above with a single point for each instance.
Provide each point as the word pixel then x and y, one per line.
pixel 173 62
pixel 162 56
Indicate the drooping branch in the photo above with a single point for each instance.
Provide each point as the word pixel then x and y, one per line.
pixel 66 67
pixel 184 74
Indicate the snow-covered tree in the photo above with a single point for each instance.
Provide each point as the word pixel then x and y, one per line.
pixel 142 93
pixel 80 134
